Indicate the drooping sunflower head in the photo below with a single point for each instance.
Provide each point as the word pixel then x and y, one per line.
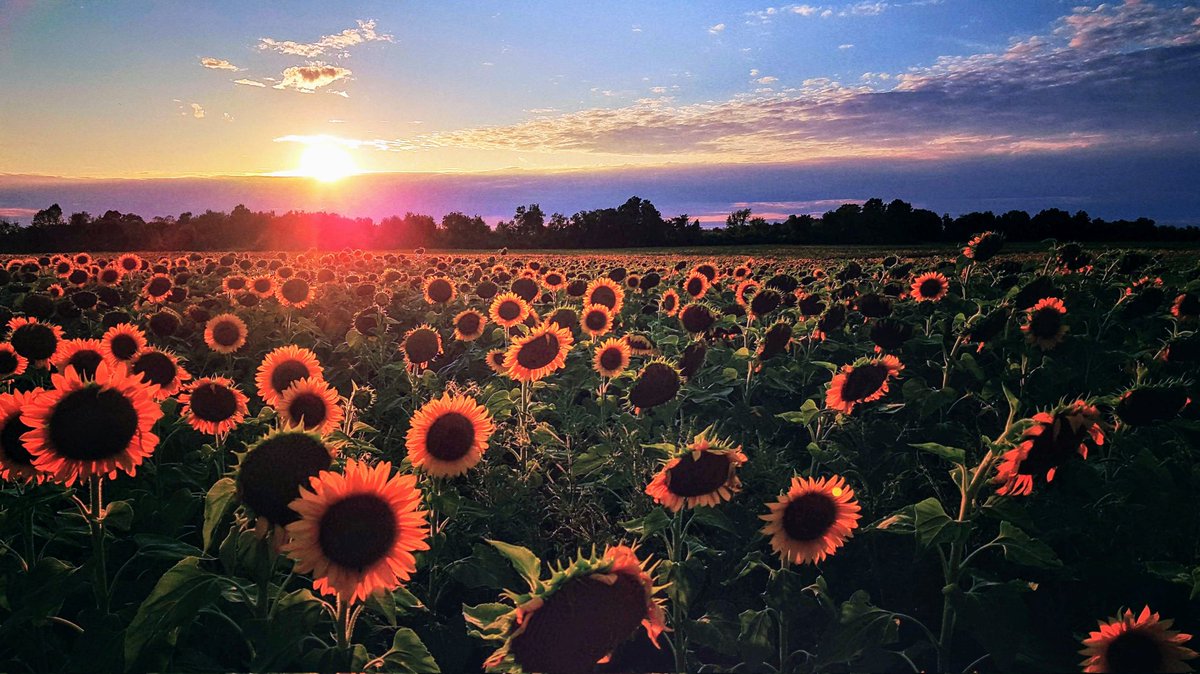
pixel 16 462
pixel 213 405
pixel 657 383
pixel 421 345
pixel 283 367
pixel 273 470
pixel 468 325
pixel 508 310
pixel 640 344
pixel 91 427
pixel 438 290
pixel 1045 325
pixel 1186 306
pixel 1146 405
pixel 862 382
pixel 611 357
pixel 812 519
pixel 697 318
pixel 357 531
pixel 225 333
pixel 603 290
pixel 449 435
pixel 1145 643
pixel 597 320
pixel 930 287
pixel 984 247
pixel 12 363
pixel 311 404
pixel 693 358
pixel 745 289
pixel 495 360
pixel 775 340
pixel 35 341
pixel 764 302
pixel 1051 440
pixel 704 473
pixel 540 353
pixel 160 368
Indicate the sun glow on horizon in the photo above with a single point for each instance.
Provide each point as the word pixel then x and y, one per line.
pixel 326 162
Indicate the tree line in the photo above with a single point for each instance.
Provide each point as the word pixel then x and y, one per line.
pixel 635 223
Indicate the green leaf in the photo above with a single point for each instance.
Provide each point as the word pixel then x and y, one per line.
pixel 754 635
pixel 804 416
pixel 1019 548
pixel 487 619
pixel 173 603
pixel 408 654
pixel 713 517
pixel 383 603
pixel 949 453
pixel 118 515
pixel 860 626
pixel 649 525
pixel 525 562
pixel 932 525
pixel 217 503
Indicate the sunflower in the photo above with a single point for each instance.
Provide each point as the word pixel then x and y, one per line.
pixel 578 616
pixel 775 340
pixel 158 288
pixel 448 436
pixel 554 281
pixel 639 344
pixel 669 302
pixel 708 270
pixel 213 405
pixel 863 382
pixel 508 309
pixel 35 341
pixel 495 360
pixel 12 364
pixel 657 383
pixel 704 474
pixel 604 290
pixel 983 247
pixel 16 463
pixel 283 367
pixel 468 325
pixel 96 427
pixel 696 318
pixel 1143 644
pixel 930 287
pixel 1186 306
pixel 565 317
pixel 438 290
pixel 234 284
pixel 696 285
pixel 745 290
pixel 1048 444
pixel 357 530
pixel 129 263
pixel 294 292
pixel 1147 405
pixel 812 520
pixel 597 320
pixel 225 333
pixel 160 368
pixel 273 470
pixel 121 342
pixel 538 354
pixel 1044 326
pixel 421 345
pixel 611 358
pixel 263 286
pixel 311 404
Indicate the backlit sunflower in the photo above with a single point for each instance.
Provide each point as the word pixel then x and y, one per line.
pixel 35 341
pixel 538 354
pixel 704 474
pixel 812 520
pixel 745 290
pixel 310 404
pixel 234 284
pixel 1186 306
pixel 508 309
pixel 639 344
pixel 160 368
pixel 597 320
pixel 696 318
pixel 1146 643
pixel 449 435
pixel 263 286
pixel 421 345
pixel 213 405
pixel 16 463
pixel 294 292
pixel 158 288
pixel 696 285
pixel 930 287
pixel 657 383
pixel 357 530
pixel 272 471
pixel 495 360
pixel 438 290
pixel 983 247
pixel 611 358
pixel 1044 326
pixel 862 382
pixel 554 281
pixel 129 263
pixel 283 367
pixel 1053 439
pixel 94 427
pixel 225 333
pixel 669 302
pixel 604 290
pixel 468 325
pixel 576 617
pixel 12 364
pixel 121 342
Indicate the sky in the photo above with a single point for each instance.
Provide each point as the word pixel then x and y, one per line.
pixel 702 107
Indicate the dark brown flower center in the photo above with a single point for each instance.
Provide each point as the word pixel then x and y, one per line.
pixel 358 531
pixel 691 477
pixel 272 473
pixel 596 320
pixel 668 302
pixel 539 351
pixel 604 295
pixel 1045 323
pixel 525 288
pixel 450 437
pixel 657 384
pixel 696 318
pixel 35 341
pixel 309 409
pixel 468 324
pixel 695 286
pixel 611 358
pixel 10 441
pixel 809 516
pixel 931 287
pixel 294 290
pixel 1134 651
pixel 226 333
pixel 123 346
pixel 213 402
pixel 92 424
pixel 158 286
pixel 8 362
pixel 287 373
pixel 440 290
pixel 508 310
pixel 421 346
pixel 155 368
pixel 864 381
pixel 262 285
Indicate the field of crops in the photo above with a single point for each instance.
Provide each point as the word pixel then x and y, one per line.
pixel 418 461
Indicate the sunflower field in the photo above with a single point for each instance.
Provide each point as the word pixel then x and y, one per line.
pixel 959 461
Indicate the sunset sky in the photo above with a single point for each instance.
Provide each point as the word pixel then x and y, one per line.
pixel 699 106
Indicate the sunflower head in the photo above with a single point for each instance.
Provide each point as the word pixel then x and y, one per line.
pixel 294 292
pixel 421 345
pixel 469 325
pixel 862 382
pixel 438 290
pixel 225 333
pixel 930 287
pixel 669 302
pixel 12 363
pixel 540 353
pixel 449 435
pixel 611 357
pixel 213 405
pixel 160 368
pixel 311 404
pixel 35 341
pixel 606 291
pixel 1049 441
pixel 597 320
pixel 1142 643
pixel 704 473
pixel 16 462
pixel 508 310
pixel 812 519
pixel 657 383
pixel 272 471
pixel 283 367
pixel 1045 325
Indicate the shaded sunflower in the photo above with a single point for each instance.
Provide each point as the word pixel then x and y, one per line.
pixel 1186 307
pixel 597 320
pixel 639 344
pixel 1047 445
pixel 763 303
pixel 1044 326
pixel 812 519
pixel 611 357
pixel 862 382
pixel 696 285
pixel 35 341
pixel 16 463
pixel 1146 643
pixel 495 360
pixel 310 404
pixel 12 364
pixel 669 302
pixel 449 435
pixel 294 292
pixel 272 471
pixel 576 617
pixel 693 358
pixel 697 318
pixel 357 530
pixel 158 288
pixel 605 291
pixel 421 345
pixel 120 343
pixel 225 333
pixel 97 427
pixel 468 325
pixel 983 247
pixel 776 340
pixel 657 383
pixel 744 290
pixel 1147 405
pixel 704 474
pixel 565 317
pixel 930 287
pixel 508 309
pixel 160 368
pixel 538 354
pixel 213 405
pixel 438 290
pixel 283 367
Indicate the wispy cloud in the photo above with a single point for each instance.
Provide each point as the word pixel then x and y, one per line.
pixel 311 77
pixel 863 8
pixel 249 83
pixel 217 64
pixel 328 45
pixel 197 111
pixel 717 29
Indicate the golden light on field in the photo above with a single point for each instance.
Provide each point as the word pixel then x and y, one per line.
pixel 326 162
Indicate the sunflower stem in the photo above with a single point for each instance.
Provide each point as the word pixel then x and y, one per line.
pixel 678 634
pixel 96 526
pixel 343 623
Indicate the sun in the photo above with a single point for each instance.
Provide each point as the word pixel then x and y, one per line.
pixel 327 163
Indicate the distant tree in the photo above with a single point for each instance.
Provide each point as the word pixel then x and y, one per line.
pixel 48 217
pixel 461 231
pixel 80 219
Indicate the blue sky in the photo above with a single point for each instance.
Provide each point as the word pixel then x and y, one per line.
pixel 151 91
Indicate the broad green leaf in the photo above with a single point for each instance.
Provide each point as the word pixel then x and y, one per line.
pixel 173 603
pixel 118 515
pixel 933 525
pixel 525 562
pixel 713 517
pixel 1021 549
pixel 217 503
pixel 408 654
pixel 649 525
pixel 949 453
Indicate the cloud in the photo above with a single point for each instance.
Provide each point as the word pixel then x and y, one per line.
pixel 767 80
pixel 845 46
pixel 334 45
pixel 717 29
pixel 311 77
pixel 217 64
pixel 227 117
pixel 1102 82
pixel 864 8
pixel 197 111
pixel 249 83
